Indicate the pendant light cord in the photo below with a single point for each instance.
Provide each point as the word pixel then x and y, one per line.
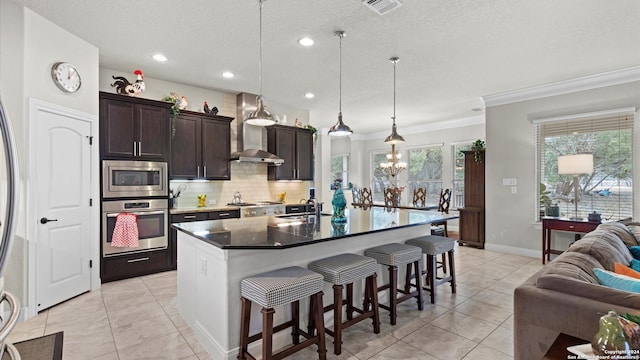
pixel 340 73
pixel 394 60
pixel 260 62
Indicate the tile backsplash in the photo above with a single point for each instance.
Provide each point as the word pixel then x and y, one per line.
pixel 250 179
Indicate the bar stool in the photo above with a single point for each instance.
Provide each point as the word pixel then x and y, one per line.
pixel 346 269
pixel 394 255
pixel 433 246
pixel 277 288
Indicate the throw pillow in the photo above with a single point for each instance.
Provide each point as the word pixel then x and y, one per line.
pixel 620 282
pixel 635 264
pixel 625 270
pixel 635 251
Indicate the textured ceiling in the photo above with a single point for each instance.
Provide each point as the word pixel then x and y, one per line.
pixel 451 52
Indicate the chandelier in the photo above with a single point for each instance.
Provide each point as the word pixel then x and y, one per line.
pixel 393 166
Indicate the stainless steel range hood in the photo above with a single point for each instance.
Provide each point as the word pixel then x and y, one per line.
pixel 250 137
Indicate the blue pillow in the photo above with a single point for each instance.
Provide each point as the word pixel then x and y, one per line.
pixel 635 251
pixel 617 281
pixel 635 264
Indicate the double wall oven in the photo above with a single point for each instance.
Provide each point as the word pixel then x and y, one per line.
pixel 140 188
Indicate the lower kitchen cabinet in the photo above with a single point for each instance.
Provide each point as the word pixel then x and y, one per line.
pixel 131 265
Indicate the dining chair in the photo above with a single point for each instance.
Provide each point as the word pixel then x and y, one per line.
pixel 366 198
pixel 356 194
pixel 419 197
pixel 440 227
pixel 390 199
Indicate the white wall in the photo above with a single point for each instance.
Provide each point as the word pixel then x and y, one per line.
pixel 29 46
pixel 510 218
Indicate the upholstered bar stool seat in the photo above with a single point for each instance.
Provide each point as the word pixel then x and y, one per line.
pixel 278 288
pixel 433 246
pixel 345 269
pixel 394 255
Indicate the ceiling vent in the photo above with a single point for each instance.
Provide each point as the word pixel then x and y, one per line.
pixel 382 7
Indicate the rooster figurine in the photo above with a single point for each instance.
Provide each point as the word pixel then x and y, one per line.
pixel 183 103
pixel 207 110
pixel 124 87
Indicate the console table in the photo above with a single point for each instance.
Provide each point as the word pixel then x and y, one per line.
pixel 561 224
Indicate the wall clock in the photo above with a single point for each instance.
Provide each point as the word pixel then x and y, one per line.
pixel 66 77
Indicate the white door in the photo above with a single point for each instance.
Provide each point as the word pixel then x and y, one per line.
pixel 62 182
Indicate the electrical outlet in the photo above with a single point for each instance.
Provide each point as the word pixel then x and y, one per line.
pixel 203 267
pixel 212 202
pixel 514 189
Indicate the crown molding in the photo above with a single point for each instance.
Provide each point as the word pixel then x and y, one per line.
pixel 589 82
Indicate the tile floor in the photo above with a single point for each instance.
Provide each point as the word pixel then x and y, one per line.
pixel 137 319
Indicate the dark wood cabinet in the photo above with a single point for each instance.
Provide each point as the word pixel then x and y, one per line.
pixel 138 264
pixel 472 215
pixel 195 216
pixel 295 146
pixel 133 128
pixel 201 147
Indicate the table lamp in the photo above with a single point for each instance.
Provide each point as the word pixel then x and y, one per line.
pixel 575 165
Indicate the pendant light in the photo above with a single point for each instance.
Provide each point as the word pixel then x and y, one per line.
pixel 340 129
pixel 393 166
pixel 394 138
pixel 260 117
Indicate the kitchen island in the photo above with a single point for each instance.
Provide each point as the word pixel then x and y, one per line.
pixel 214 256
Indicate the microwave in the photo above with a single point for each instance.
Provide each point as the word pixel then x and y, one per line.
pixel 139 179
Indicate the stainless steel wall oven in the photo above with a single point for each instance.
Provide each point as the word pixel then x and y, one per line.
pixel 153 222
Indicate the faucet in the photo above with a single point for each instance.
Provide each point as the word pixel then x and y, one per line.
pixel 316 207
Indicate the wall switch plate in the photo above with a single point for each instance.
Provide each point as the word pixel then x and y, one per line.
pixel 509 182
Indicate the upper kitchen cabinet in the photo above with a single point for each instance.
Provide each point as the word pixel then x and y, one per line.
pixel 201 147
pixel 295 146
pixel 134 128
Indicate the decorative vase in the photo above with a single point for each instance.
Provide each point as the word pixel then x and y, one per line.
pixel 339 203
pixel 611 338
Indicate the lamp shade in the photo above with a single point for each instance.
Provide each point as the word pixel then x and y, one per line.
pixel 575 164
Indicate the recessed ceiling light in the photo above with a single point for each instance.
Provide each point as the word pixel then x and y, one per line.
pixel 228 74
pixel 305 41
pixel 309 95
pixel 159 57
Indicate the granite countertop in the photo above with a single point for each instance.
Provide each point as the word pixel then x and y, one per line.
pixel 272 232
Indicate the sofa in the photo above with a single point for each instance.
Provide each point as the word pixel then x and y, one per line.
pixel 565 296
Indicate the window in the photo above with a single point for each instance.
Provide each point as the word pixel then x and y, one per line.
pixel 340 169
pixel 457 192
pixel 379 180
pixel 608 190
pixel 425 170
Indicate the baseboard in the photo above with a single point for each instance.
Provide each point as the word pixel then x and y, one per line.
pixel 22 317
pixel 514 250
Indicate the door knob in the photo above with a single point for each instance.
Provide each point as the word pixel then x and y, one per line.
pixel 44 220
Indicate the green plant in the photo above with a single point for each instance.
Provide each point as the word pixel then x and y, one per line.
pixel 545 200
pixel 477 147
pixel 175 110
pixel 313 130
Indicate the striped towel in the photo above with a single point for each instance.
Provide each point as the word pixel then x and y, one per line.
pixel 125 232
